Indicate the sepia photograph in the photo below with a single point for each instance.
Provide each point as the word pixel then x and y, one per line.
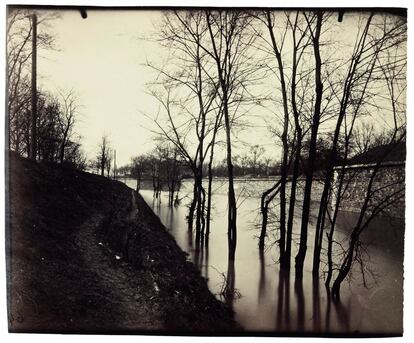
pixel 205 171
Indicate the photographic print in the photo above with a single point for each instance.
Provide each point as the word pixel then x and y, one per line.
pixel 205 171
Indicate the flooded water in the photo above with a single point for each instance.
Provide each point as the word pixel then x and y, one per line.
pixel 265 299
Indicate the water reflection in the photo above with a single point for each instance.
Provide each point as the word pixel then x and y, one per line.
pixel 262 279
pixel 267 299
pixel 316 302
pixel 300 310
pixel 206 265
pixel 170 219
pixel 308 313
pixel 343 315
pixel 283 302
pixel 229 290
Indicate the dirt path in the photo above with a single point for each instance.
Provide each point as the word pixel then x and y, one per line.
pixel 126 304
pixel 91 257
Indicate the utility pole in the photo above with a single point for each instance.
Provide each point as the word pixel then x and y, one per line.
pixel 33 129
pixel 115 171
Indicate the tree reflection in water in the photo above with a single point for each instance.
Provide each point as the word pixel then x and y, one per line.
pixel 229 292
pixel 270 299
pixel 283 311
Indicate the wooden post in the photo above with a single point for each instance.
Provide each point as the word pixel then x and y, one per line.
pixel 33 129
pixel 115 171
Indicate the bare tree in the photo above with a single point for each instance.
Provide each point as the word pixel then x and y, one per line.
pixel 284 138
pixel 108 162
pixel 361 75
pixel 103 154
pixel 363 138
pixel 315 32
pixel 182 90
pixel 378 197
pixel 230 42
pixel 66 121
pixel 19 33
pixel 291 30
pixel 137 168
pixel 360 46
pixel 256 153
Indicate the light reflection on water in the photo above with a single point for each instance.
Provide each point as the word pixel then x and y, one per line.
pixel 266 299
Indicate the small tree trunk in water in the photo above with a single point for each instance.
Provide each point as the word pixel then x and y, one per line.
pixel 199 212
pixel 232 217
pixel 232 212
pixel 300 257
pixel 292 202
pixel 264 208
pixel 344 270
pixel 329 255
pixel 138 182
pixel 203 210
pixel 192 208
pixel 209 191
pixel 210 177
pixel 229 288
pixel 324 203
pixel 263 234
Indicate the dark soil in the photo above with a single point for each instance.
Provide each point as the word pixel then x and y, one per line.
pixel 86 254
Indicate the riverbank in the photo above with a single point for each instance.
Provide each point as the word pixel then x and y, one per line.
pixel 85 254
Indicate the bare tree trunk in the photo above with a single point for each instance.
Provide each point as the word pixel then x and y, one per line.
pixel 223 78
pixel 199 200
pixel 264 208
pixel 62 153
pixel 192 208
pixel 330 234
pixel 297 157
pixel 228 291
pixel 324 203
pixel 232 210
pixel 138 183
pixel 209 191
pixel 300 257
pixel 283 166
pixel 210 173
pixel 292 203
pixel 62 148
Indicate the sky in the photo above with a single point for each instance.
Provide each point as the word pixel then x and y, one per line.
pixel 101 58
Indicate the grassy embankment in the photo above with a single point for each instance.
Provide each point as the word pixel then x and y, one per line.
pixel 86 254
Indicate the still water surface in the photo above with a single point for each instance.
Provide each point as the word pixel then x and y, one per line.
pixel 266 299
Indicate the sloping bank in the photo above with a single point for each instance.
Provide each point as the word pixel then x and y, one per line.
pixel 86 254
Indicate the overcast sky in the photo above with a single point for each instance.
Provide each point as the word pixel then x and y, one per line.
pixel 103 59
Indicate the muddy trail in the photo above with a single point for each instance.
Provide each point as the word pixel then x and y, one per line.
pixel 85 254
